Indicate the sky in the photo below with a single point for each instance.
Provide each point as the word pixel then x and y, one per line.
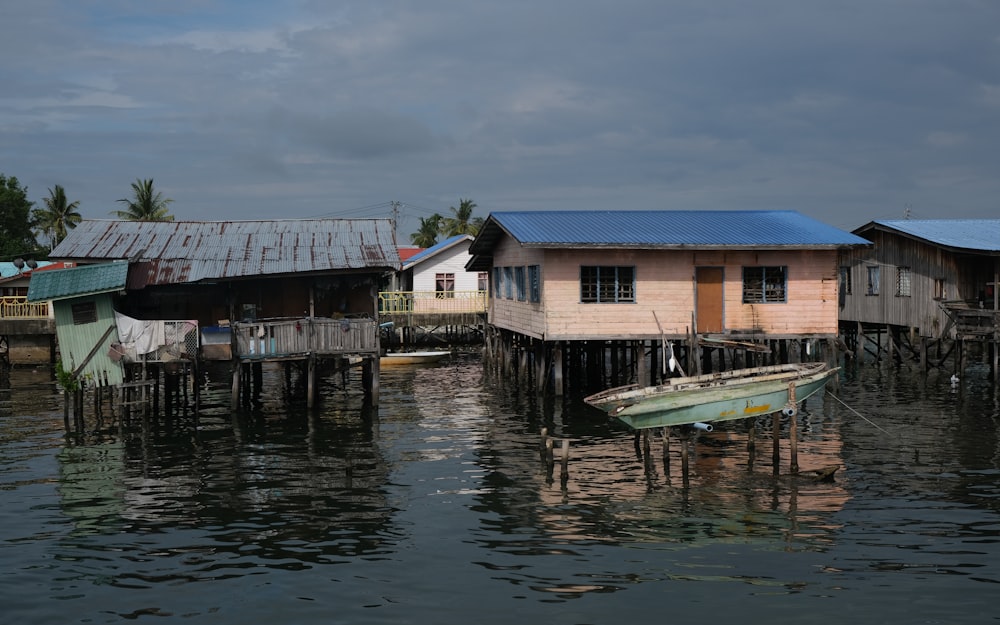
pixel 844 111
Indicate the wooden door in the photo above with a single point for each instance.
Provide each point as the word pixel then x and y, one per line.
pixel 708 299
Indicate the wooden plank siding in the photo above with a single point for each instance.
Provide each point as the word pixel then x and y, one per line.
pixel 937 277
pixel 665 284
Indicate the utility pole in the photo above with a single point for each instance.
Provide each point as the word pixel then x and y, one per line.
pixel 395 217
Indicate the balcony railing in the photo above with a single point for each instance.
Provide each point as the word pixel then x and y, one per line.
pixel 18 307
pixel 970 319
pixel 294 338
pixel 431 302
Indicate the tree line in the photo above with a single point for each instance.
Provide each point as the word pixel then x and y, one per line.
pixel 23 225
pixel 30 231
pixel 461 221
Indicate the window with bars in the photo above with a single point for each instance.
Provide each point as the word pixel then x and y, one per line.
pixel 483 281
pixel 902 281
pixel 765 285
pixel 604 284
pixel 845 280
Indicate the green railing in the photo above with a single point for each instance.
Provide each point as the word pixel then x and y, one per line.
pixel 18 307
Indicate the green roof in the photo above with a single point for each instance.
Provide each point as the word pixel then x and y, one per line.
pixel 77 281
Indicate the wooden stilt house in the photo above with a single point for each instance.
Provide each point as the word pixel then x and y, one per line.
pixel 287 291
pixel 568 288
pixel 922 289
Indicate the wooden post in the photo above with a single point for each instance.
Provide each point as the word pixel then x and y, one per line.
pixel 236 384
pixel 793 428
pixel 751 444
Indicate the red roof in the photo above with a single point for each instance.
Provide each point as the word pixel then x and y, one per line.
pixel 406 253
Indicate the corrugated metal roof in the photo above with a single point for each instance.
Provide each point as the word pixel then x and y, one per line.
pixel 436 248
pixel 190 251
pixel 982 235
pixel 76 281
pixel 663 229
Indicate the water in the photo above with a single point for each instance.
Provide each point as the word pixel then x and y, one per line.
pixel 440 510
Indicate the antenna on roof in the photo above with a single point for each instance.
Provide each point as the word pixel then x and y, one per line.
pixel 906 211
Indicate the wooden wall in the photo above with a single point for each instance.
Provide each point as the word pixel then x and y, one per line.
pixel 451 260
pixel 964 278
pixel 665 283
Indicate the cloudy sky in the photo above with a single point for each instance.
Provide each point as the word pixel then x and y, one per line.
pixel 846 111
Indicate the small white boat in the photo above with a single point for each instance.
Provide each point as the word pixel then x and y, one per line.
pixel 411 358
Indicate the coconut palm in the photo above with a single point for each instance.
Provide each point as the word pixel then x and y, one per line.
pixel 461 221
pixel 145 205
pixel 58 217
pixel 427 235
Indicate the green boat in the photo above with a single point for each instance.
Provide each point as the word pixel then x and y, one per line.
pixel 724 396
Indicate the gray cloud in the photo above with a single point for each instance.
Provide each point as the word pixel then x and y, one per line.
pixel 845 111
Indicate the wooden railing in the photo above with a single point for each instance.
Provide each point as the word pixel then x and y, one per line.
pixel 18 307
pixel 971 320
pixel 292 338
pixel 431 302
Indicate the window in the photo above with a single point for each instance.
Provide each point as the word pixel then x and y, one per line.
pixel 508 282
pixel 85 312
pixel 444 285
pixel 607 284
pixel 873 280
pixel 902 281
pixel 845 280
pixel 940 288
pixel 497 282
pixel 535 283
pixel 522 293
pixel 764 285
pixel 483 281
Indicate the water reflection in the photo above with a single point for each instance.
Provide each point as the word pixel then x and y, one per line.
pixel 443 492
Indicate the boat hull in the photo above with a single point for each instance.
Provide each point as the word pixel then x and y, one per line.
pixel 739 394
pixel 412 358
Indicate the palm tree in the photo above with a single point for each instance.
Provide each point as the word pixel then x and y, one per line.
pixel 145 205
pixel 427 235
pixel 58 217
pixel 461 221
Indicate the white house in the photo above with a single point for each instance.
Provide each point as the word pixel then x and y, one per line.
pixel 441 269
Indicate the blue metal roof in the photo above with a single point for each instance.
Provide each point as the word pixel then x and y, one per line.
pixel 74 282
pixel 9 269
pixel 981 235
pixel 745 229
pixel 434 249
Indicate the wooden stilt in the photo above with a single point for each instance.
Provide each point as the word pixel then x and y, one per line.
pixel 557 369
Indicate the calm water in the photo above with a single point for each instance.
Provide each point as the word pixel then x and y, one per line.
pixel 439 510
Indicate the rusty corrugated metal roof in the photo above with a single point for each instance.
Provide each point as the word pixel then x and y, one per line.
pixel 191 251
